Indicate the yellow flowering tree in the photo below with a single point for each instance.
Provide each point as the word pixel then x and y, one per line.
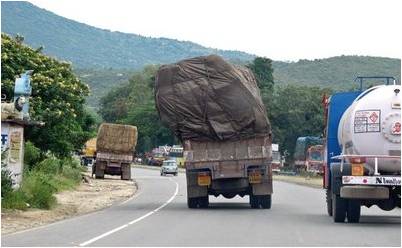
pixel 58 97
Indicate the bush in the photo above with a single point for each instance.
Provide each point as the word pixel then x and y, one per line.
pixel 14 200
pixel 50 165
pixel 39 189
pixel 6 182
pixel 32 155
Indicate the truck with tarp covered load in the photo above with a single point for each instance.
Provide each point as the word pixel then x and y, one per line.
pixel 115 148
pixel 215 109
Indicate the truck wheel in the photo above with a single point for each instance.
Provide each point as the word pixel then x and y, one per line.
pixel 329 202
pixel 203 202
pixel 353 211
pixel 99 173
pixel 192 202
pixel 254 202
pixel 265 201
pixel 339 208
pixel 125 172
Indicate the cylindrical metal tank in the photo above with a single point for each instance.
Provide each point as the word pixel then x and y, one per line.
pixel 372 126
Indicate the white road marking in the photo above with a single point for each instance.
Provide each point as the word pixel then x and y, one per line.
pixel 136 220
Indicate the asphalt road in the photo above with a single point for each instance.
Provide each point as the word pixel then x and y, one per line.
pixel 158 216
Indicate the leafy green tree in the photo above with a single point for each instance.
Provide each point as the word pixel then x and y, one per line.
pixel 133 103
pixel 151 132
pixel 296 111
pixel 58 97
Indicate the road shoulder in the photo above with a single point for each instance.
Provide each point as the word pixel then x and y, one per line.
pixel 88 197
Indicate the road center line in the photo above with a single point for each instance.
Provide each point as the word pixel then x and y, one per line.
pixel 135 220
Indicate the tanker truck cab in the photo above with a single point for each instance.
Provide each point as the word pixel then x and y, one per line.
pixel 362 151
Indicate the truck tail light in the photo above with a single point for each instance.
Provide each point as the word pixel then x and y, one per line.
pixel 357 160
pixel 204 179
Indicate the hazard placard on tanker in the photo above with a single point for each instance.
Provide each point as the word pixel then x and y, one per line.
pixel 367 121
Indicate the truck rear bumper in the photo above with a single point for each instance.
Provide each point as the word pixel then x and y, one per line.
pixel 364 192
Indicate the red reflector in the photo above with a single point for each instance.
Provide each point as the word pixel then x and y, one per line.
pixel 364 180
pixel 358 160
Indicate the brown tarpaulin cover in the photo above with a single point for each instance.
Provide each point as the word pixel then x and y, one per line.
pixel 116 138
pixel 206 98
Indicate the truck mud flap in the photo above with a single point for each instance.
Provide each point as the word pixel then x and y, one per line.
pixel 193 189
pixel 264 188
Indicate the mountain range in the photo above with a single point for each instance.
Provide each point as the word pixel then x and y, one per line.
pixel 100 56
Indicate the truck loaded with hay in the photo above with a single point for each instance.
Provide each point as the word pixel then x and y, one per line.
pixel 115 146
pixel 216 110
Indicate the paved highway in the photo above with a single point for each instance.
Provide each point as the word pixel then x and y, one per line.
pixel 158 216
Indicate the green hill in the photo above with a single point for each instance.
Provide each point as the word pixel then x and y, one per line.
pixel 104 59
pixel 91 47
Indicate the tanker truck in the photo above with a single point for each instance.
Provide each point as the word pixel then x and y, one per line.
pixel 115 146
pixel 363 150
pixel 215 110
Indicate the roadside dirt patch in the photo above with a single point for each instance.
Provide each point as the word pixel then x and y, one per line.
pixel 315 182
pixel 87 197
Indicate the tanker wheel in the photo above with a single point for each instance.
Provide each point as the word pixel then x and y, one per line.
pixel 329 202
pixel 254 201
pixel 125 172
pixel 339 208
pixel 192 202
pixel 353 211
pixel 99 173
pixel 265 201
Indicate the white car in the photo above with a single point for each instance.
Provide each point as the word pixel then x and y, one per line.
pixel 169 167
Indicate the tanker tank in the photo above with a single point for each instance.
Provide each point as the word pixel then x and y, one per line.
pixel 372 126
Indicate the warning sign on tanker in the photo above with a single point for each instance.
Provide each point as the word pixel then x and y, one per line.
pixel 367 121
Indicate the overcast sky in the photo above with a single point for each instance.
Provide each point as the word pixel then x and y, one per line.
pixel 278 29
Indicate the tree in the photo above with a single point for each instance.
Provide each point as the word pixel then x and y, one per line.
pixel 133 103
pixel 58 97
pixel 296 111
pixel 263 71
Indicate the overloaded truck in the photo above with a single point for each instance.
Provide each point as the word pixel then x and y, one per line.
pixel 363 150
pixel 115 148
pixel 216 110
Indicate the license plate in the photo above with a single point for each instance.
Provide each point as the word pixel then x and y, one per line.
pixel 204 180
pixel 254 177
pixel 372 180
pixel 357 170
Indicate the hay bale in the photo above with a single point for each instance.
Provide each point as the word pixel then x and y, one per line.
pixel 116 138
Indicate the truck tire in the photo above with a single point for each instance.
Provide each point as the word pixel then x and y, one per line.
pixel 329 202
pixel 125 172
pixel 192 202
pixel 265 201
pixel 339 208
pixel 353 211
pixel 254 201
pixel 99 173
pixel 203 202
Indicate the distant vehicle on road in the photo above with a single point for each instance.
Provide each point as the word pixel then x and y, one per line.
pixel 315 159
pixel 169 167
pixel 115 148
pixel 176 153
pixel 89 152
pixel 301 151
pixel 276 159
pixel 363 150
